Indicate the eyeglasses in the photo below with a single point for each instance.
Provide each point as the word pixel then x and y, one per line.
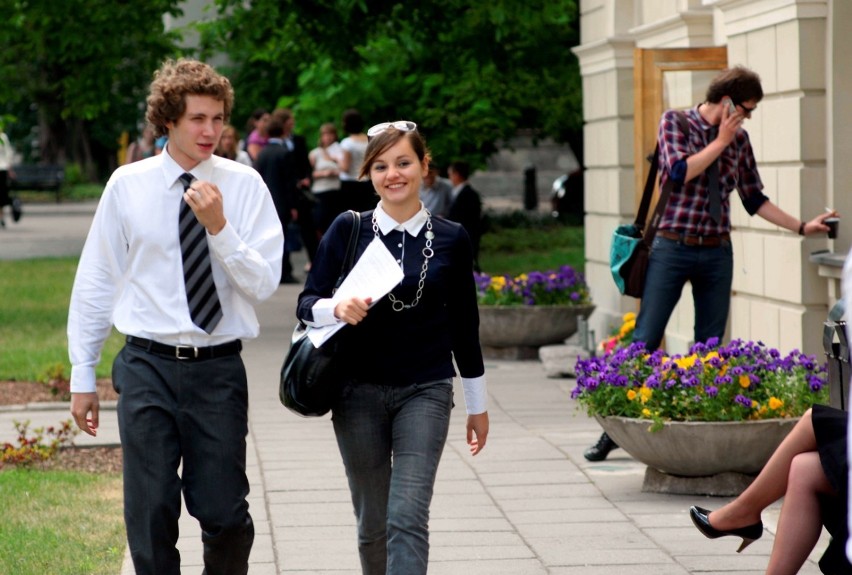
pixel 401 125
pixel 746 109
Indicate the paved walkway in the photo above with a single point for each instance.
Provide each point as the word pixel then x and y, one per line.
pixel 529 504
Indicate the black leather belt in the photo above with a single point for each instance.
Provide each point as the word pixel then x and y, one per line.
pixel 691 240
pixel 186 352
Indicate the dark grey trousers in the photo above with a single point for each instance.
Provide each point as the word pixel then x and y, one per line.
pixel 174 411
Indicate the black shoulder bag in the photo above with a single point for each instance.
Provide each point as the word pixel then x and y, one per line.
pixel 311 379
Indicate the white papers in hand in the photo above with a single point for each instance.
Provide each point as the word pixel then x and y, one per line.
pixel 374 275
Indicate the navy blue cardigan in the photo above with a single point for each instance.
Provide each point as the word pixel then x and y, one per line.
pixel 417 344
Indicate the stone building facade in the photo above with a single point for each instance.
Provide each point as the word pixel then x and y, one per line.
pixel 801 133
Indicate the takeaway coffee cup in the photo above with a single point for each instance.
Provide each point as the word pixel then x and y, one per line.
pixel 832 226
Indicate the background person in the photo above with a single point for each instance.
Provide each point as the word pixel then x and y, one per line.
pixel 229 146
pixel 183 396
pixel 325 162
pixel 356 191
pixel 299 168
pixel 258 136
pixel 435 192
pixel 465 206
pixel 142 147
pixel 392 419
pixel 693 240
pixel 6 160
pixel 273 166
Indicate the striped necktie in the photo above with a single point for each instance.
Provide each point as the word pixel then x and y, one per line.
pixel 204 307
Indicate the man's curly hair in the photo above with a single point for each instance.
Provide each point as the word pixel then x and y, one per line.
pixel 174 81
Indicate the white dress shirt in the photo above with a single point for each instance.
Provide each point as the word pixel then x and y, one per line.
pixel 131 274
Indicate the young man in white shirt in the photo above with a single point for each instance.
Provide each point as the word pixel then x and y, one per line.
pixel 183 294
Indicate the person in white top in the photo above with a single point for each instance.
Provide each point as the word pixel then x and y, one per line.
pixel 183 397
pixel 229 146
pixel 357 193
pixel 325 160
pixel 6 159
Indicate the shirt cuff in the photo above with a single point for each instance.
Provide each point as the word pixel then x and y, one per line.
pixel 475 394
pixel 226 242
pixel 323 311
pixel 83 379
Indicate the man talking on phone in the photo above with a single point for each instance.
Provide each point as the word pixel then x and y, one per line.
pixel 693 241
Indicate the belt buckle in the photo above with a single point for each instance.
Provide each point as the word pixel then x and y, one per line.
pixel 700 241
pixel 193 352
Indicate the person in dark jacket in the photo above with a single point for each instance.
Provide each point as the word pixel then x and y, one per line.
pixel 465 206
pixel 274 163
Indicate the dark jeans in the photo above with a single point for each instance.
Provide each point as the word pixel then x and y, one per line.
pixel 391 439
pixel 196 412
pixel 672 264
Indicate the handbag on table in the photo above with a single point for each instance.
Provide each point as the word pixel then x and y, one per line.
pixel 630 251
pixel 311 378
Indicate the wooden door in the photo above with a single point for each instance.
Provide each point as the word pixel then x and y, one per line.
pixel 663 79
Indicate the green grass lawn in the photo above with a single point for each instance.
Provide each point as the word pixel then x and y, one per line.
pixel 61 523
pixel 33 320
pixel 525 249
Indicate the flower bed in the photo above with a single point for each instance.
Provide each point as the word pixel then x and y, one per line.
pixel 740 381
pixel 564 286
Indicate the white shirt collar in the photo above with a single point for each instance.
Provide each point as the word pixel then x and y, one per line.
pixel 457 190
pixel 173 171
pixel 413 225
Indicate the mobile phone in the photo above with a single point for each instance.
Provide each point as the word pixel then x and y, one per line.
pixel 732 109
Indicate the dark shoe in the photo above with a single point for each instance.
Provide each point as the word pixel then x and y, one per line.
pixel 701 519
pixel 601 449
pixel 289 280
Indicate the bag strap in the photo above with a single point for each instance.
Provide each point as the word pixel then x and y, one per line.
pixel 665 192
pixel 351 247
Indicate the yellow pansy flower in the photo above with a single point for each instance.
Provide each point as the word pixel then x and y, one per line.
pixel 646 412
pixel 631 395
pixel 744 381
pixel 628 317
pixel 775 403
pixel 646 393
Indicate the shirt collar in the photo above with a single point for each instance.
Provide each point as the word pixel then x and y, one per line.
pixel 705 125
pixel 413 225
pixel 457 189
pixel 173 171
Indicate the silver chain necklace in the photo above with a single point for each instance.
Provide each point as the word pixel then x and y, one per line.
pixel 399 305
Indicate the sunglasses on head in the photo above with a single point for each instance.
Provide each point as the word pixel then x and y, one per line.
pixel 401 125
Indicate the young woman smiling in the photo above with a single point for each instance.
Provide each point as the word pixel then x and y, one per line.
pixel 393 415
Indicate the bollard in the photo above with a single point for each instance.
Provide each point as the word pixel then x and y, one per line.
pixel 530 188
pixel 837 354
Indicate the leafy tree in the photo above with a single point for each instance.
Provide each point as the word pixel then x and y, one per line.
pixel 472 74
pixel 80 70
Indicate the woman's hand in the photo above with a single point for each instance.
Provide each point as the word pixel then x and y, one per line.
pixel 477 425
pixel 352 310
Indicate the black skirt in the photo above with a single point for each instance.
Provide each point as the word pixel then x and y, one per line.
pixel 830 427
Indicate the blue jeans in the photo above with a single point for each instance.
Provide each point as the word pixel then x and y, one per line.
pixel 391 439
pixel 672 264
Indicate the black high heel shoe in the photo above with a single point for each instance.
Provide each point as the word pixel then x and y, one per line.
pixel 701 518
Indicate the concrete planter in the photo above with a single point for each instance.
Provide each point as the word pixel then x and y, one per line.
pixel 528 326
pixel 699 449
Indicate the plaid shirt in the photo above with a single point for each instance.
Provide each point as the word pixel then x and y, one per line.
pixel 688 209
